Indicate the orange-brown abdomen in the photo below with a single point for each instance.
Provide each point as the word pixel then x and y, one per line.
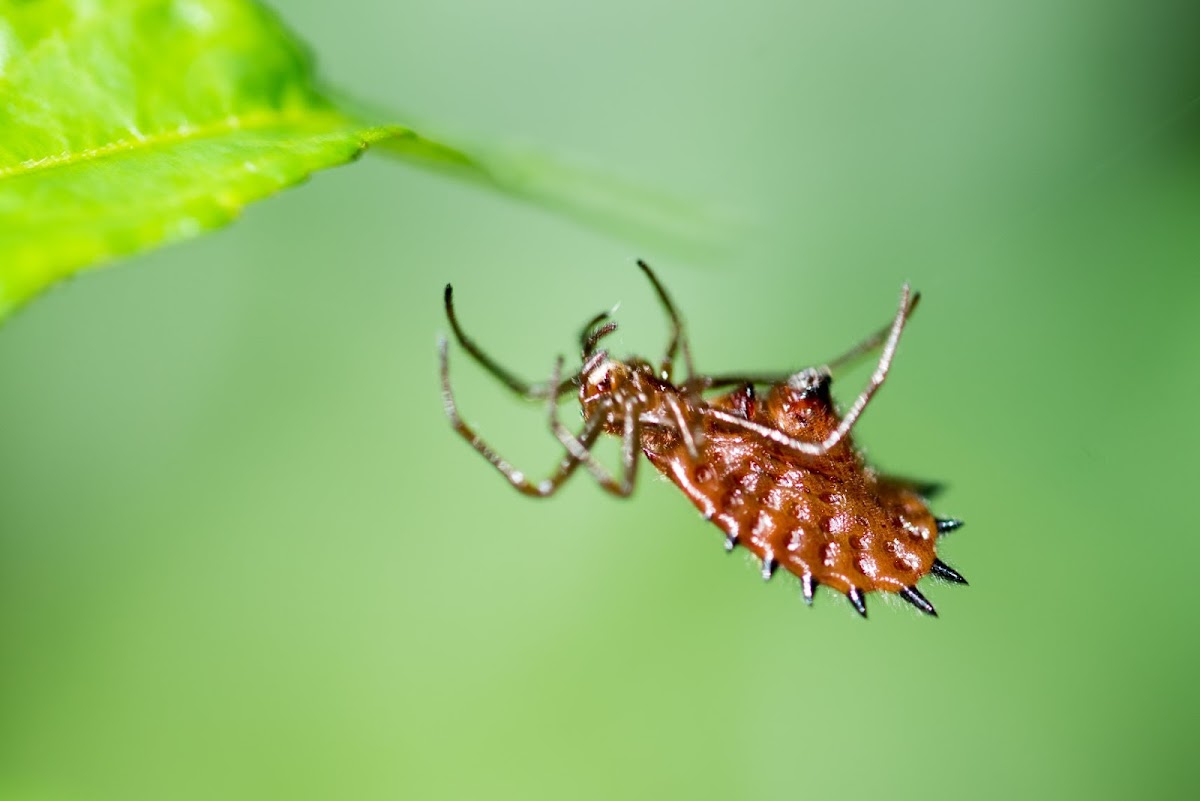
pixel 829 519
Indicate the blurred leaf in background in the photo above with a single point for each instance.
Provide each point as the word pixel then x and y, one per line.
pixel 242 555
pixel 128 125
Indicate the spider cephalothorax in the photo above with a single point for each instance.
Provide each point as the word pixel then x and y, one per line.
pixel 779 475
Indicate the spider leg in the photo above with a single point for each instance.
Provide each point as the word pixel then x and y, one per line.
pixel 586 333
pixel 591 337
pixel 868 345
pixel 679 341
pixel 882 369
pixel 856 410
pixel 580 450
pixel 693 435
pixel 542 489
pixel 926 489
pixel 708 382
pixel 519 386
pixel 873 342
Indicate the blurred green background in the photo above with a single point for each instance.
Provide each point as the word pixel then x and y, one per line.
pixel 243 556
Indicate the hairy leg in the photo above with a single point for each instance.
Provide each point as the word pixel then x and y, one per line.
pixel 542 489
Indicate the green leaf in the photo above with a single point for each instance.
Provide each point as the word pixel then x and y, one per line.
pixel 126 125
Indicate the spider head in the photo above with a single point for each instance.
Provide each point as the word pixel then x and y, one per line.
pixel 602 380
pixel 600 377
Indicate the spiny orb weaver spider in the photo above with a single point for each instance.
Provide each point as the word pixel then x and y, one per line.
pixel 779 475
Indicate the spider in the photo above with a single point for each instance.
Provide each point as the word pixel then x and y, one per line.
pixel 778 475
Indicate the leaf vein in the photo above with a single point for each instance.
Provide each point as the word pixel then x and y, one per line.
pixel 255 121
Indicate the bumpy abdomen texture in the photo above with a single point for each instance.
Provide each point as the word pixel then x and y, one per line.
pixel 828 517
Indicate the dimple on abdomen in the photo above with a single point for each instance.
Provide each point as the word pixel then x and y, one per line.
pixel 842 534
pixel 841 528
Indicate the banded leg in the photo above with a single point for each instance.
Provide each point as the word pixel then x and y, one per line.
pixel 543 489
pixel 579 449
pixel 856 410
pixel 517 385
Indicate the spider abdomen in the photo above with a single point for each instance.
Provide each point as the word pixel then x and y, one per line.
pixel 827 519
